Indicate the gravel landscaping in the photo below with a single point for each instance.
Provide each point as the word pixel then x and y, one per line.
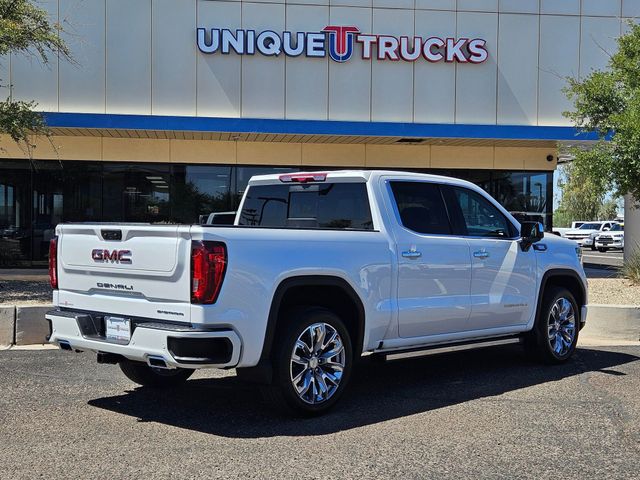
pixel 606 291
pixel 25 292
pixel 613 291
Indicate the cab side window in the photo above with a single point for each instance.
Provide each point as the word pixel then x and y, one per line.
pixel 481 217
pixel 421 207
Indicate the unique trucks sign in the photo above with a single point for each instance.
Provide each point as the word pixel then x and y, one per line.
pixel 340 42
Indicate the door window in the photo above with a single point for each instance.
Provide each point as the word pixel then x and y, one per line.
pixel 421 207
pixel 481 217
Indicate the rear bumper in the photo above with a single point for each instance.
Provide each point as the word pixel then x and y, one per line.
pixel 179 345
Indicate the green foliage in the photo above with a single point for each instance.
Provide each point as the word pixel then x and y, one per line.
pixel 18 120
pixel 561 219
pixel 25 30
pixel 25 27
pixel 608 210
pixel 631 268
pixel 608 102
pixel 583 197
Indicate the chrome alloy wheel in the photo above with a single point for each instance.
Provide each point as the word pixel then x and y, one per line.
pixel 317 363
pixel 562 326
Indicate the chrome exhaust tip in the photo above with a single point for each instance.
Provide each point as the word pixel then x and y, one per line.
pixel 157 362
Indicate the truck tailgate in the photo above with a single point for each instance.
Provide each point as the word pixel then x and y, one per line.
pixel 135 270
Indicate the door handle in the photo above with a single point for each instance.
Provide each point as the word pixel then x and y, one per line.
pixel 412 254
pixel 481 254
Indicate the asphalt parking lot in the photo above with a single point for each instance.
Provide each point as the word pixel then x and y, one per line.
pixel 481 414
pixel 612 258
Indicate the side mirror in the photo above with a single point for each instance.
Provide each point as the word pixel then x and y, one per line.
pixel 531 232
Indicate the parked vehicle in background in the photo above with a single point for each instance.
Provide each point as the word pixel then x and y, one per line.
pixel 559 231
pixel 318 269
pixel 585 234
pixel 219 218
pixel 613 239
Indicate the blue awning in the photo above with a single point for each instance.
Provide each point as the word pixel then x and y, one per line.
pixel 316 127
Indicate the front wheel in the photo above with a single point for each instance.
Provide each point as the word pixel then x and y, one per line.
pixel 555 334
pixel 313 361
pixel 147 376
pixel 593 248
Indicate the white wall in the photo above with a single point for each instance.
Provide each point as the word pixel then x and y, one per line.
pixel 140 57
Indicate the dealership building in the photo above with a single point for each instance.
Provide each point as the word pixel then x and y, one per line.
pixel 170 106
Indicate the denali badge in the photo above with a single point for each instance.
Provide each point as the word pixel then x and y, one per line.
pixel 113 286
pixel 115 256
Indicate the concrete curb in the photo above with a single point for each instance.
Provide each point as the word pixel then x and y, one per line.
pixel 31 327
pixel 25 325
pixel 613 322
pixel 7 325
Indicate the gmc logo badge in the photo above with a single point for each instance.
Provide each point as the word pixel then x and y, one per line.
pixel 115 256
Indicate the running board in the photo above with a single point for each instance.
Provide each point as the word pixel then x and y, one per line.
pixel 448 348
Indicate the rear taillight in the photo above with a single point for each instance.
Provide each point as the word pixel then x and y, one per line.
pixel 53 262
pixel 208 265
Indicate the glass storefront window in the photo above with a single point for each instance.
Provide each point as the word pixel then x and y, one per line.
pixel 199 190
pixel 48 206
pixel 82 191
pixel 15 213
pixel 526 195
pixel 136 193
pixel 35 196
pixel 244 174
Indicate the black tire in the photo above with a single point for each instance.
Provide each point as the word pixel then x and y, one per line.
pixel 593 248
pixel 144 375
pixel 282 391
pixel 541 341
pixel 602 250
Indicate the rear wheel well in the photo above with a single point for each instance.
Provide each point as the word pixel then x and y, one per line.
pixel 333 294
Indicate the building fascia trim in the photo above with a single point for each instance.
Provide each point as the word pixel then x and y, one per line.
pixel 315 127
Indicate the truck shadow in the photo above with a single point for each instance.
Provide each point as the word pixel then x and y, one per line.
pixel 379 392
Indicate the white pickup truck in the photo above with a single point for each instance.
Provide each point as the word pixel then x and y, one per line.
pixel 586 233
pixel 318 269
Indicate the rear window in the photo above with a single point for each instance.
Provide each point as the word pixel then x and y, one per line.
pixel 340 206
pixel 421 207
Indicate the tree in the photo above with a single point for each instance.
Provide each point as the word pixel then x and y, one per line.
pixel 609 209
pixel 608 102
pixel 582 198
pixel 25 29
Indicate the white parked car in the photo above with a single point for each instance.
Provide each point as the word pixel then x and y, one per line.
pixel 613 239
pixel 586 233
pixel 318 269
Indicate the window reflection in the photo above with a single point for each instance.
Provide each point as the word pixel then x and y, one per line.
pixel 136 193
pixel 15 213
pixel 48 205
pixel 82 191
pixel 200 190
pixel 244 174
pixel 35 196
pixel 526 195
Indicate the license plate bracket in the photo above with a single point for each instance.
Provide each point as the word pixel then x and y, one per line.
pixel 117 329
